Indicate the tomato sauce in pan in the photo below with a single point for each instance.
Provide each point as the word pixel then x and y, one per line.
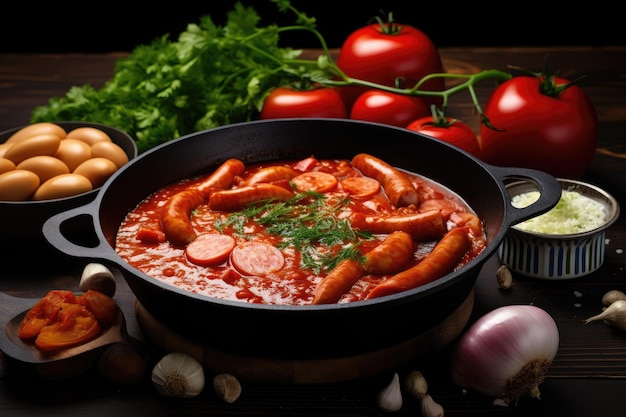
pixel 275 243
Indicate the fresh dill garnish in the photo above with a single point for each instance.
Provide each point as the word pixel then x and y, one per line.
pixel 304 221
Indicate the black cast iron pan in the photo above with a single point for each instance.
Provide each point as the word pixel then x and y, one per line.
pixel 299 331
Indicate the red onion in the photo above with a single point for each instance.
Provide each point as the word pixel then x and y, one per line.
pixel 506 353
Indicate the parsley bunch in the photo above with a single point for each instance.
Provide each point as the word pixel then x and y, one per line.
pixel 210 76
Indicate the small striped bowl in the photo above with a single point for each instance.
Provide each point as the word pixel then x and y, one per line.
pixel 558 257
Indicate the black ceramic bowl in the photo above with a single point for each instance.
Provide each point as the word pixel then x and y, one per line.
pixel 22 220
pixel 319 331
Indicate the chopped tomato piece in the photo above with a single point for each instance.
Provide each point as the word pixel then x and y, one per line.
pixel 75 325
pixel 100 305
pixel 44 312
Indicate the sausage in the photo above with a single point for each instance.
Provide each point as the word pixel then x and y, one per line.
pixel 175 214
pixel 428 225
pixel 237 198
pixel 397 186
pixel 391 256
pixel 223 176
pixel 271 174
pixel 210 249
pixel 257 258
pixel 441 260
pixel 338 281
pixel 315 181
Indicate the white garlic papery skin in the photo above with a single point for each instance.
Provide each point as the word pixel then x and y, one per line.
pixel 614 315
pixel 390 397
pixel 97 277
pixel 611 296
pixel 227 387
pixel 431 408
pixel 178 375
pixel 506 353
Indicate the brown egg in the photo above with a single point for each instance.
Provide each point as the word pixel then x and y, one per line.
pixel 97 170
pixel 36 129
pixel 63 185
pixel 6 165
pixel 111 151
pixel 18 185
pixel 46 144
pixel 73 152
pixel 4 147
pixel 44 166
pixel 89 135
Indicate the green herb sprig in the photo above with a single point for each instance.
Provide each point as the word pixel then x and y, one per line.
pixel 213 76
pixel 304 222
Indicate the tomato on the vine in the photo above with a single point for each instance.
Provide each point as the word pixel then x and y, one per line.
pixel 287 102
pixel 541 122
pixel 385 52
pixel 448 130
pixel 388 108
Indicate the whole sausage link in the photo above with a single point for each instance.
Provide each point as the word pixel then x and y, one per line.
pixel 223 176
pixel 428 225
pixel 270 174
pixel 338 281
pixel 397 186
pixel 237 198
pixel 440 261
pixel 391 256
pixel 174 216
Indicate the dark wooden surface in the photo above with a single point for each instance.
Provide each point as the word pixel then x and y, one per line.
pixel 588 376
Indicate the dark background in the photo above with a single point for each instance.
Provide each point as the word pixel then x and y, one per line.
pixel 120 26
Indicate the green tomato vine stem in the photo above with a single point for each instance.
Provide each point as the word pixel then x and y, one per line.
pixel 325 72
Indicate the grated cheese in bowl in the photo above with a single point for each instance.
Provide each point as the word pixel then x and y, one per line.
pixel 574 213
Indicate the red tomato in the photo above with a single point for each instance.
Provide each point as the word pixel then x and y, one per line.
pixel 449 130
pixel 318 102
pixel 388 108
pixel 555 133
pixel 383 52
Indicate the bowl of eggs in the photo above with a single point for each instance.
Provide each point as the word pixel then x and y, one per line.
pixel 47 168
pixel 564 243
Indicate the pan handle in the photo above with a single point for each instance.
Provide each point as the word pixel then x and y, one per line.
pixel 72 232
pixel 549 188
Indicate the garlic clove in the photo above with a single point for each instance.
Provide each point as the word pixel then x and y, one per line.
pixel 178 375
pixel 415 384
pixel 614 315
pixel 504 277
pixel 97 277
pixel 612 296
pixel 227 387
pixel 390 397
pixel 431 408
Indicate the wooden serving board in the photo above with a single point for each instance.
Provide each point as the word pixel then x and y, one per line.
pixel 53 365
pixel 308 371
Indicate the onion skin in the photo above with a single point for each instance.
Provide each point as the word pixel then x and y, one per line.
pixel 506 353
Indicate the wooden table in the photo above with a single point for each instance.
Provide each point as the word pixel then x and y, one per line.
pixel 588 376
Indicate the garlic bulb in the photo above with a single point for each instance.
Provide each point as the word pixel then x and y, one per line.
pixel 99 278
pixel 390 397
pixel 227 387
pixel 415 384
pixel 178 375
pixel 614 315
pixel 506 353
pixel 431 408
